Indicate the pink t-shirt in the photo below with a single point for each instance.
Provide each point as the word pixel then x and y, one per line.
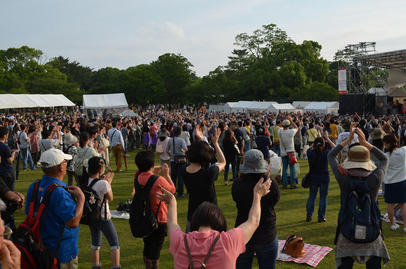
pixel 229 246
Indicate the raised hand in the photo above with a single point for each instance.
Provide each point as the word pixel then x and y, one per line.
pixel 165 196
pixel 262 187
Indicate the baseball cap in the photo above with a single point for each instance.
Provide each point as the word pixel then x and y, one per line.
pixel 53 157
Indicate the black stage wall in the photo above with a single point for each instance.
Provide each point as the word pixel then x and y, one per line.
pixel 360 103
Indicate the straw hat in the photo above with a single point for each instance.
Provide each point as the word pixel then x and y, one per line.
pixel 286 123
pixel 358 157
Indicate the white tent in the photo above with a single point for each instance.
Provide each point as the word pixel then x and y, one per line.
pixel 33 100
pixel 104 104
pixel 322 107
pixel 286 107
pixel 300 104
pixel 103 101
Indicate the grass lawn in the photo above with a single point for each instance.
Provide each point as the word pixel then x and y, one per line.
pixel 290 210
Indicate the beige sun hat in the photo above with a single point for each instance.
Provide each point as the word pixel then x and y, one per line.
pixel 286 123
pixel 359 157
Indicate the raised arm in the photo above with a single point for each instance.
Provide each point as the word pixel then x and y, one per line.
pixel 380 156
pixel 170 200
pixel 249 227
pixel 221 161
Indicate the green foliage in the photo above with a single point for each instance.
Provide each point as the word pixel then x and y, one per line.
pixel 265 65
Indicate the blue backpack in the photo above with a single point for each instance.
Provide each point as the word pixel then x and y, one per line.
pixel 359 218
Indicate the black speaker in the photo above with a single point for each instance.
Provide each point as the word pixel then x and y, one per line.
pixel 360 103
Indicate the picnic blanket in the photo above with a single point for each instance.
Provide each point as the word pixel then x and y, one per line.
pixel 119 214
pixel 314 254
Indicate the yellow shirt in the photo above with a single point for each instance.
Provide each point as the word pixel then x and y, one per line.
pixel 312 134
pixel 334 130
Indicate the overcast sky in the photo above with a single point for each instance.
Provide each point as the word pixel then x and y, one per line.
pixel 123 33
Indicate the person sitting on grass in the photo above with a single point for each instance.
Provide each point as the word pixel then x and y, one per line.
pixel 209 231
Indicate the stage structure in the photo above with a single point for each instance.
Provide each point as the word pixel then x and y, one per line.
pixel 387 71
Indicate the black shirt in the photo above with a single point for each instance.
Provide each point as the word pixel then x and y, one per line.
pixel 200 187
pixel 5 154
pixel 242 191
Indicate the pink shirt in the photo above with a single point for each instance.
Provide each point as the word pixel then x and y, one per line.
pixel 224 255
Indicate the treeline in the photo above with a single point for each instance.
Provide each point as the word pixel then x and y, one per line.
pixel 265 65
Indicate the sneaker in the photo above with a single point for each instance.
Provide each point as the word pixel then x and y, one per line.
pixel 284 186
pixel 308 219
pixel 294 186
pixel 404 229
pixel 226 183
pixel 322 220
pixel 394 227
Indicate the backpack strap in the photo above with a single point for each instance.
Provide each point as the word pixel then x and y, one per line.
pixel 210 250
pixel 208 253
pixel 148 187
pixel 188 253
pixel 94 181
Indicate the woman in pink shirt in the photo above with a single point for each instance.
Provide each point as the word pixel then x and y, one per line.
pixel 209 242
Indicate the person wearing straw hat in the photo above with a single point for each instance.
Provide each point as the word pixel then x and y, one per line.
pixel 359 165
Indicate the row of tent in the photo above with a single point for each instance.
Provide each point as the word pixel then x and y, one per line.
pixel 33 101
pixel 274 107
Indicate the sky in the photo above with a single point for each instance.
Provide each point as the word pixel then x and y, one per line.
pixel 124 33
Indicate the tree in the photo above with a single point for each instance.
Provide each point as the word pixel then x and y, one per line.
pixel 82 75
pixel 175 72
pixel 143 85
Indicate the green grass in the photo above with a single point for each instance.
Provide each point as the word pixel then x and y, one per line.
pixel 290 211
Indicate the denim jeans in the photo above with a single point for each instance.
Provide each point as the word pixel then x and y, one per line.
pixel 285 166
pixel 314 187
pixel 109 231
pixel 26 156
pixel 176 175
pixel 266 255
pixel 276 149
pixel 233 161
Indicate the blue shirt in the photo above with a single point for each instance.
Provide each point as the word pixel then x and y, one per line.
pixel 60 209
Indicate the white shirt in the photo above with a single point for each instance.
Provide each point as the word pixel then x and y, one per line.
pixel 286 141
pixel 397 166
pixel 343 136
pixel 115 137
pixel 102 187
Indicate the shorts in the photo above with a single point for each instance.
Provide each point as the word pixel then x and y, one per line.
pixel 153 243
pixel 395 193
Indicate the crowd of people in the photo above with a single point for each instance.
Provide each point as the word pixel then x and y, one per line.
pixel 194 146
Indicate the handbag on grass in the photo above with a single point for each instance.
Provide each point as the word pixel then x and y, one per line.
pixel 294 246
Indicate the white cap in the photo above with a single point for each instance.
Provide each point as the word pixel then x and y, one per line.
pixel 53 157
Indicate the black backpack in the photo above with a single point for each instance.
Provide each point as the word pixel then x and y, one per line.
pixel 93 205
pixel 143 222
pixel 359 218
pixel 27 236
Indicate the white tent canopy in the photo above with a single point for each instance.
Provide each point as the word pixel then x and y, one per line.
pixel 300 104
pixel 286 107
pixel 33 100
pixel 104 101
pixel 322 107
